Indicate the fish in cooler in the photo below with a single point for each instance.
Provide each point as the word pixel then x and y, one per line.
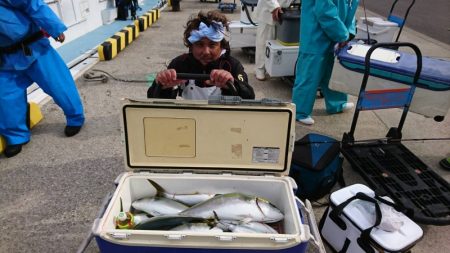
pixel 246 227
pixel 169 222
pixel 189 199
pixel 236 206
pixel 159 206
pixel 197 227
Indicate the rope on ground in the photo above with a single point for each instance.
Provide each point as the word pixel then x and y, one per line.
pixel 92 75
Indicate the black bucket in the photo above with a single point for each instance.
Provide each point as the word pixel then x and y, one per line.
pixel 288 29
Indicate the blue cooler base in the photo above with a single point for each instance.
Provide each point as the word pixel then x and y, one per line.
pixel 108 247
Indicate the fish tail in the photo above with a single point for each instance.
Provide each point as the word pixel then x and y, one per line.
pixel 159 189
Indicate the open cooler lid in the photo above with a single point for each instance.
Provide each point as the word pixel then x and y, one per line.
pixel 173 136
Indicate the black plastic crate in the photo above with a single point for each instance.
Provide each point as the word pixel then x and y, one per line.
pixel 392 169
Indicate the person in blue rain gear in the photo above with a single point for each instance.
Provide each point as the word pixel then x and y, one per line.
pixel 26 56
pixel 324 24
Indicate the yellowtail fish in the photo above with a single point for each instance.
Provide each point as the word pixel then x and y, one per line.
pixel 158 206
pixel 197 227
pixel 249 227
pixel 141 218
pixel 189 199
pixel 167 222
pixel 236 206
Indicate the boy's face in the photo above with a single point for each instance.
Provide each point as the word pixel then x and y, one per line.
pixel 206 50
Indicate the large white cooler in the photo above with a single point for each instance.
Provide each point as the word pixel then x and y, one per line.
pixel 280 60
pixel 379 29
pixel 193 146
pixel 425 102
pixel 242 35
pixel 344 232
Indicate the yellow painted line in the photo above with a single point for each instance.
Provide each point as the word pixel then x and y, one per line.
pixel 113 47
pixel 35 117
pixel 149 18
pixel 35 114
pixel 289 44
pixel 136 27
pixel 154 15
pixel 100 50
pixel 2 144
pixel 130 34
pixel 122 39
pixel 143 23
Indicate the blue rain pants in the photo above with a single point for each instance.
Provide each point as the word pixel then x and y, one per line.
pixel 314 70
pixel 51 74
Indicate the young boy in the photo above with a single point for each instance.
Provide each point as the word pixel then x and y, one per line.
pixel 209 53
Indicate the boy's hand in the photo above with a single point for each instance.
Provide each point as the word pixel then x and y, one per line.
pixel 220 77
pixel 168 78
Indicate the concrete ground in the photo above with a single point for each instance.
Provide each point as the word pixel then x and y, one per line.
pixel 50 194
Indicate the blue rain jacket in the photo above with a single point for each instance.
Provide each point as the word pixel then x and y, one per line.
pixel 325 23
pixel 19 19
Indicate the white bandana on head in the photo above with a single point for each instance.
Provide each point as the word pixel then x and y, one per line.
pixel 214 32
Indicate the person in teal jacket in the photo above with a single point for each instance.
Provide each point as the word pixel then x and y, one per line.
pixel 324 24
pixel 26 56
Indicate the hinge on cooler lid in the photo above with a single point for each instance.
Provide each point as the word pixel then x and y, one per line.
pixel 280 239
pixel 292 143
pixel 225 238
pixel 120 236
pixel 175 237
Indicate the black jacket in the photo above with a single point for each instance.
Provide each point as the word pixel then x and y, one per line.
pixel 186 63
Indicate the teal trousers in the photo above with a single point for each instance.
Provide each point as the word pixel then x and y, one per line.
pixel 313 71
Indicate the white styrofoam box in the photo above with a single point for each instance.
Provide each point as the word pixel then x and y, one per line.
pixel 357 219
pixel 242 35
pixel 379 29
pixel 280 60
pixel 109 15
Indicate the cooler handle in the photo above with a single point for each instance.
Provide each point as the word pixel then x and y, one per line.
pixel 364 239
pixel 314 231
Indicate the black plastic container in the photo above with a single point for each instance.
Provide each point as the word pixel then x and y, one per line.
pixel 288 29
